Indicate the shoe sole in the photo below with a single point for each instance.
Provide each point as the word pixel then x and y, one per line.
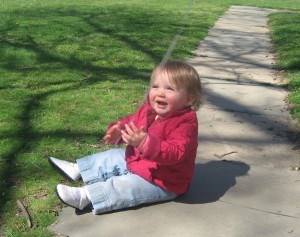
pixel 60 171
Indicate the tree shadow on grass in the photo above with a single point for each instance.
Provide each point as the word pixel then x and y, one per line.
pixel 29 47
pixel 27 141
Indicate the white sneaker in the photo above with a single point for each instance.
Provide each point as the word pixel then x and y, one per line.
pixel 72 196
pixel 68 169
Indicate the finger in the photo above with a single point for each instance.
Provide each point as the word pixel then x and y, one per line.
pixel 124 137
pixel 106 137
pixel 116 142
pixel 114 128
pixel 128 129
pixel 107 140
pixel 133 127
pixel 125 134
pixel 111 128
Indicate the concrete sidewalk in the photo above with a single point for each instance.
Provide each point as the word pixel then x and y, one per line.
pixel 245 183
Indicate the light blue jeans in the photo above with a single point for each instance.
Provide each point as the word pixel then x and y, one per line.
pixel 111 186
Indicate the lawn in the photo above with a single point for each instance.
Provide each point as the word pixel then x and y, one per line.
pixel 68 68
pixel 285 32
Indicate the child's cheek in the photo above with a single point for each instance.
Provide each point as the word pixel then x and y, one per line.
pixel 151 96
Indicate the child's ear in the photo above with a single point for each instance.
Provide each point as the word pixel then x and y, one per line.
pixel 190 101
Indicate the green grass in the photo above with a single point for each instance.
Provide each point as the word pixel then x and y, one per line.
pixel 68 68
pixel 285 32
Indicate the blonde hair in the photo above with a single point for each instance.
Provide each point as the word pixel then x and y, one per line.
pixel 183 76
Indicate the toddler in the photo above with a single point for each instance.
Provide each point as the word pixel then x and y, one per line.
pixel 159 159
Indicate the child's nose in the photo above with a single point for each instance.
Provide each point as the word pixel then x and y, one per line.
pixel 161 93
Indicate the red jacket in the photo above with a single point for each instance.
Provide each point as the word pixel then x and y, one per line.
pixel 167 156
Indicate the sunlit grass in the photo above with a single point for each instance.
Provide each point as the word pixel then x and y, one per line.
pixel 285 31
pixel 68 70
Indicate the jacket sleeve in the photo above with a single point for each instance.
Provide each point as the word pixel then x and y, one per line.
pixel 175 148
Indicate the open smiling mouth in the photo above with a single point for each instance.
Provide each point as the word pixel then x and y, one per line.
pixel 161 103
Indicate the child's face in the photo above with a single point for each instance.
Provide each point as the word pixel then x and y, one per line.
pixel 165 97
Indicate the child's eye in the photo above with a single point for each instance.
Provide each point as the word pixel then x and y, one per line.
pixel 154 86
pixel 170 89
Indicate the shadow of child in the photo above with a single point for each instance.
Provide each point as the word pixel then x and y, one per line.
pixel 212 180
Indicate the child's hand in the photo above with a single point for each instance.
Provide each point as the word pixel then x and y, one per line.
pixel 113 134
pixel 133 135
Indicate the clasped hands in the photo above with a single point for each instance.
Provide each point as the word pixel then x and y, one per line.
pixel 131 135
